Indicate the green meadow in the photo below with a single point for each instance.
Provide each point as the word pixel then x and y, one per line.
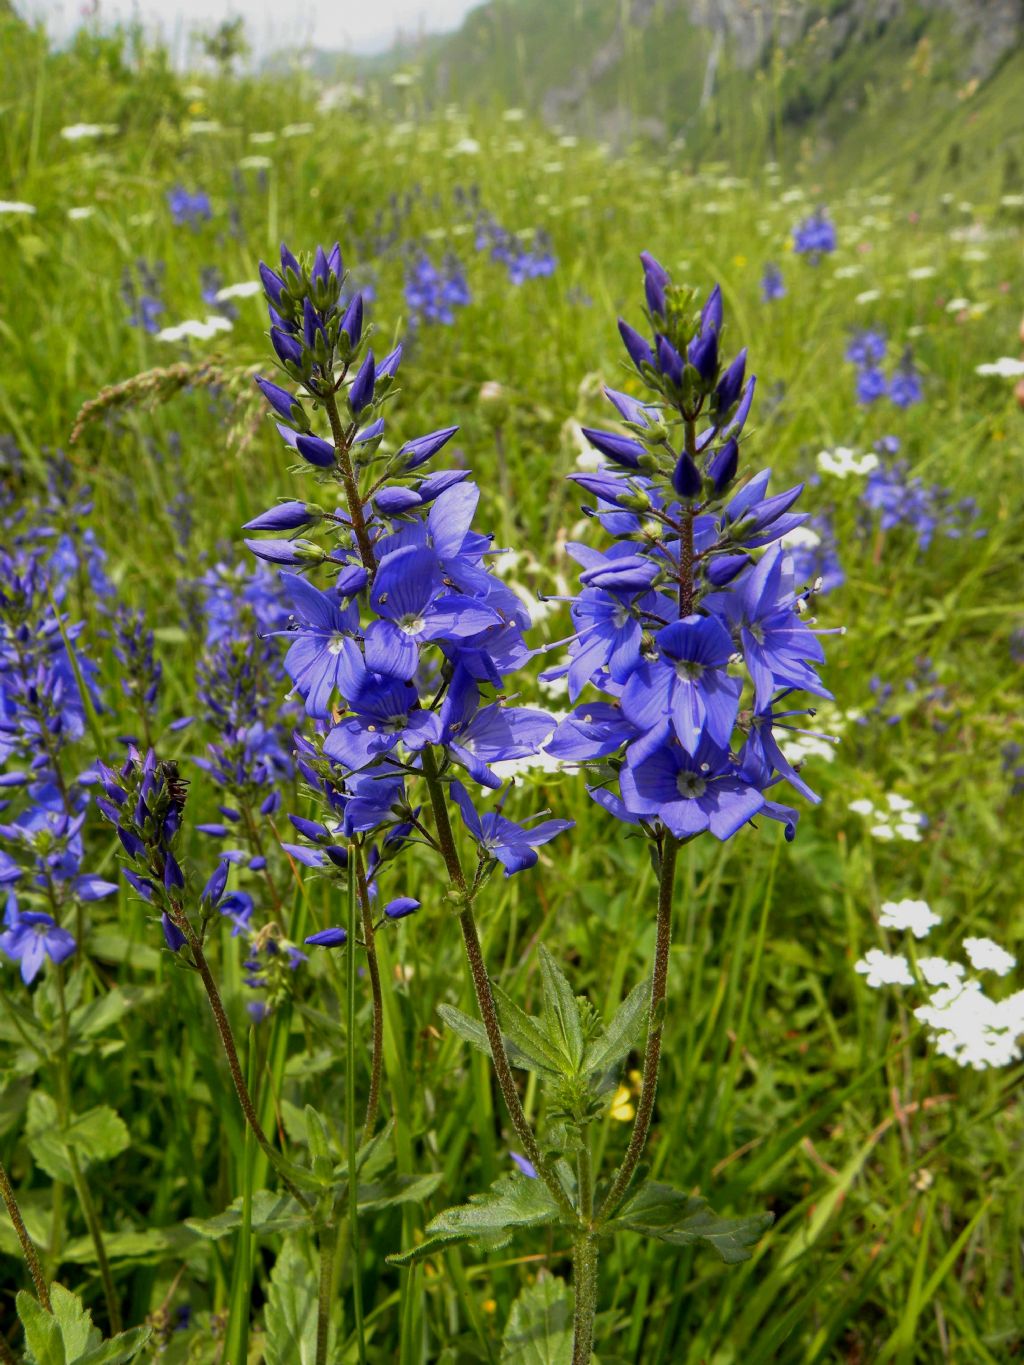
pixel 789 1085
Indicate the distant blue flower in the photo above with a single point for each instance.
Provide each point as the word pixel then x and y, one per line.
pixel 905 387
pixel 814 236
pixel 191 208
pixel 871 384
pixel 772 285
pixel 868 346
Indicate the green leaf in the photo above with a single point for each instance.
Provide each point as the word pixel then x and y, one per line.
pixel 518 1054
pixel 74 1321
pixel 42 1332
pixel 88 1021
pixel 539 1329
pixel 290 1316
pixel 126 1346
pixel 271 1212
pixel 397 1189
pixel 622 1034
pixel 96 1135
pixel 514 1201
pixel 561 1012
pixel 149 1244
pixel 529 1035
pixel 659 1211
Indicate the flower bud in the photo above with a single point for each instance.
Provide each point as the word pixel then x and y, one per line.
pixel 686 478
pixel 721 468
pixel 317 451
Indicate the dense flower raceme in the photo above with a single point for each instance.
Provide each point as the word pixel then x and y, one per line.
pixel 690 625
pixel 43 870
pixel 815 236
pixel 411 642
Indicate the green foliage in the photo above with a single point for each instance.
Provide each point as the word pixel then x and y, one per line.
pixel 291 1306
pixel 786 1085
pixel 67 1335
pixel 539 1328
pixel 97 1135
pixel 659 1211
pixel 489 1219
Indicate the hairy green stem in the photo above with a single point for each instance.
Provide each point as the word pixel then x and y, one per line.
pixel 348 478
pixel 231 1052
pixel 584 1280
pixel 350 1110
pixel 27 1247
pixel 655 1027
pixel 373 968
pixel 482 989
pixel 323 1303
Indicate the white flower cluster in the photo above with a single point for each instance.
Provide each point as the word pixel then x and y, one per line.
pixel 842 462
pixel 897 819
pixel 1006 367
pixel 963 1021
pixel 195 329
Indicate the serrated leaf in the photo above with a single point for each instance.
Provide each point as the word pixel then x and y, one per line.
pixel 657 1210
pixel 539 1329
pixel 149 1244
pixel 124 1347
pixel 474 1033
pixel 529 1035
pixel 75 1322
pixel 271 1212
pixel 397 1189
pixel 622 1034
pixel 290 1316
pixel 514 1201
pixel 42 1332
pixel 96 1135
pixel 561 1013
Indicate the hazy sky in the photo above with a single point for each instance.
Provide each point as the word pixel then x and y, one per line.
pixel 357 25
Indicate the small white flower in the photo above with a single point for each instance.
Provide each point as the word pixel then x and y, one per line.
pixel 75 132
pixel 987 956
pixel 802 747
pixel 842 462
pixel 898 803
pixel 848 272
pixel 202 127
pixel 15 206
pixel 243 290
pixel 262 139
pixel 938 972
pixel 868 296
pixel 862 807
pixel 880 969
pixel 296 129
pixel 917 916
pixel 81 211
pixel 1012 201
pixel 922 272
pixel 910 832
pixel 884 832
pixel 195 330
pixel 1006 367
pixel 255 163
pixel 957 305
pixel 801 538
pixel 466 146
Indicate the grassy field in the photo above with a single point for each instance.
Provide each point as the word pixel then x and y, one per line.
pixel 788 1085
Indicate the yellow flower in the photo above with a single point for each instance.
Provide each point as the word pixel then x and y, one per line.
pixel 739 261
pixel 622 1105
